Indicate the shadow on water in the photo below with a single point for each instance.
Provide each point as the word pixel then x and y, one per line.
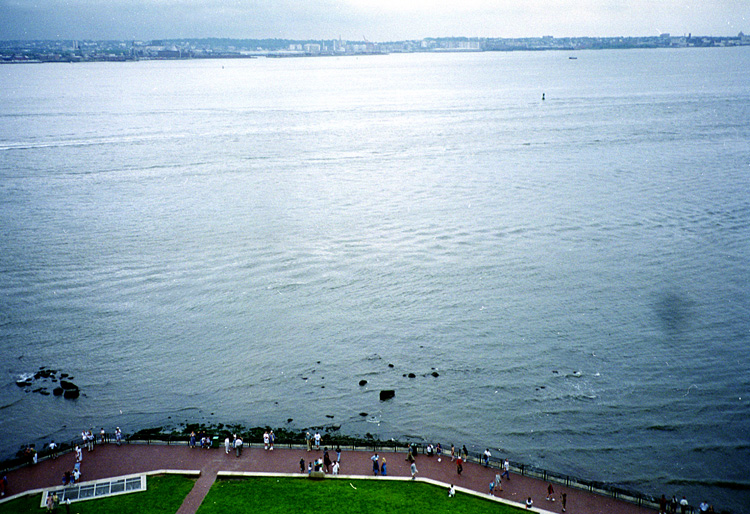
pixel 674 310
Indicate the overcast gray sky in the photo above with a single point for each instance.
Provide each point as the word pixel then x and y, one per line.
pixel 376 20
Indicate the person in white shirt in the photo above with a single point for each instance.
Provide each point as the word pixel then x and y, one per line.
pixel 53 449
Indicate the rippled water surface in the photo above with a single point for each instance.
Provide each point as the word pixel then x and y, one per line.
pixel 244 241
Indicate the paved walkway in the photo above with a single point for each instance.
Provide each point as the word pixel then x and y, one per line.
pixel 109 461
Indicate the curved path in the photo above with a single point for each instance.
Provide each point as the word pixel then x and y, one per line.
pixel 109 461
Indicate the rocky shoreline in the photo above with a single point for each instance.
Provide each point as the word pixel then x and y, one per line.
pixel 330 435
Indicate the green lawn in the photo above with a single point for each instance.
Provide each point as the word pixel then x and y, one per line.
pixel 302 496
pixel 164 495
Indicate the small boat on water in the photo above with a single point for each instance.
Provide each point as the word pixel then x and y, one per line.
pixel 572 58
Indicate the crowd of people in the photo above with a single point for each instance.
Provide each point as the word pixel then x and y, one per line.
pixel 89 442
pixel 682 506
pixel 201 438
pixel 325 464
pixel 322 464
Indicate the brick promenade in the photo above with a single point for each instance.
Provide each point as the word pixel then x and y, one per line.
pixel 110 461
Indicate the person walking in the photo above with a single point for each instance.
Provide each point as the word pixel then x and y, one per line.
pixel 506 470
pixel 498 482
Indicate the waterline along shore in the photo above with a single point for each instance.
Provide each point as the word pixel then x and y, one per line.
pixel 224 48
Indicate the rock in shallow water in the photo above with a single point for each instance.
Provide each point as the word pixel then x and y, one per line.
pixel 68 385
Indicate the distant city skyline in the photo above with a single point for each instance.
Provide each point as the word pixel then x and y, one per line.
pixel 374 20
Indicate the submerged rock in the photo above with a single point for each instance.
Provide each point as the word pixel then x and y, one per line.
pixel 45 373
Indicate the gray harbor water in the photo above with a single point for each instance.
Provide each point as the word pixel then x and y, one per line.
pixel 246 240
